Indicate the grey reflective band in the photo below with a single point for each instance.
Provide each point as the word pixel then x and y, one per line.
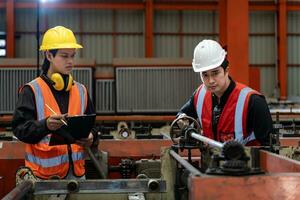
pixel 78 156
pixel 39 99
pixel 200 102
pixel 55 161
pixel 82 96
pixel 47 162
pixel 238 119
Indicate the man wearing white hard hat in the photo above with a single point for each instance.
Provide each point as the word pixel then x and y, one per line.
pixel 227 110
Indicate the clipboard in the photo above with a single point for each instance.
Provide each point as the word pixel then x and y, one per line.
pixel 77 127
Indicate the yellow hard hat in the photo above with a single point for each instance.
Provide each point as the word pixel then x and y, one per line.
pixel 59 37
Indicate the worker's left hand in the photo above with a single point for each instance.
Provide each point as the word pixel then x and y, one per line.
pixel 86 142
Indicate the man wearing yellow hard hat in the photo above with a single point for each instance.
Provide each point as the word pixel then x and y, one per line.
pixel 43 104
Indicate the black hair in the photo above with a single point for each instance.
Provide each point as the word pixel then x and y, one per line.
pixel 46 63
pixel 225 64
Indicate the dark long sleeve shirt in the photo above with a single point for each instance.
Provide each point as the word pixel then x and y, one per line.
pixel 25 125
pixel 259 118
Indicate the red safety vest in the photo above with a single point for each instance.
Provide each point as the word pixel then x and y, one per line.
pixel 233 120
pixel 45 160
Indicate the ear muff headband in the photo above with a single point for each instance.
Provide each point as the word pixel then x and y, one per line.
pixel 61 84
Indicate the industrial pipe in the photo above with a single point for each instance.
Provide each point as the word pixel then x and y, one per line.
pixel 207 140
pixel 95 162
pixel 19 191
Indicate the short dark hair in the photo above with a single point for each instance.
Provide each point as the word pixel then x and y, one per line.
pixel 46 63
pixel 225 64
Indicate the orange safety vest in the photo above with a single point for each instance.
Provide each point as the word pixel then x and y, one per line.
pixel 232 123
pixel 45 160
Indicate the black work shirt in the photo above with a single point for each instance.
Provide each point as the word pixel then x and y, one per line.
pixel 25 125
pixel 259 118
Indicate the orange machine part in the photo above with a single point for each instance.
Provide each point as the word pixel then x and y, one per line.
pixel 12 156
pixel 279 186
pixel 289 141
pixel 280 182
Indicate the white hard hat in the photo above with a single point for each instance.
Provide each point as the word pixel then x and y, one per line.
pixel 208 54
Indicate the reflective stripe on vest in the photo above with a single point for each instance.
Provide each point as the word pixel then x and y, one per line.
pixel 35 156
pixel 40 106
pixel 40 103
pixel 238 118
pixel 39 100
pixel 55 161
pixel 82 96
pixel 200 103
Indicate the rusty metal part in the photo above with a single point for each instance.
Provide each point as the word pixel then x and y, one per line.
pixel 176 130
pixel 126 168
pixel 289 141
pixel 273 163
pixel 233 150
pixel 276 187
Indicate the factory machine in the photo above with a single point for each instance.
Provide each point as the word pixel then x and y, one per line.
pixel 185 165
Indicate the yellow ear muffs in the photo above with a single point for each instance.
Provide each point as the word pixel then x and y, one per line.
pixel 60 84
pixel 58 81
pixel 69 82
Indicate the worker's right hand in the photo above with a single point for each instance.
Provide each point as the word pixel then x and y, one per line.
pixel 182 123
pixel 54 122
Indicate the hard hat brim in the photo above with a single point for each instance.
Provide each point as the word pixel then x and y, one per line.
pixel 198 68
pixel 61 46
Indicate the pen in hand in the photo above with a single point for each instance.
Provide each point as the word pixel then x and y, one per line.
pixel 62 120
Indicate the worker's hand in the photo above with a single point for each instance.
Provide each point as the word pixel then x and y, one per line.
pixel 54 122
pixel 86 142
pixel 182 123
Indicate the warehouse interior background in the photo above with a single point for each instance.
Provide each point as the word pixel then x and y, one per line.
pixel 137 53
pixel 136 63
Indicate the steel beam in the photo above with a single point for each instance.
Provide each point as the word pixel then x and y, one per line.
pixel 186 6
pixel 282 49
pixel 149 29
pixel 61 5
pixel 114 186
pixel 10 29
